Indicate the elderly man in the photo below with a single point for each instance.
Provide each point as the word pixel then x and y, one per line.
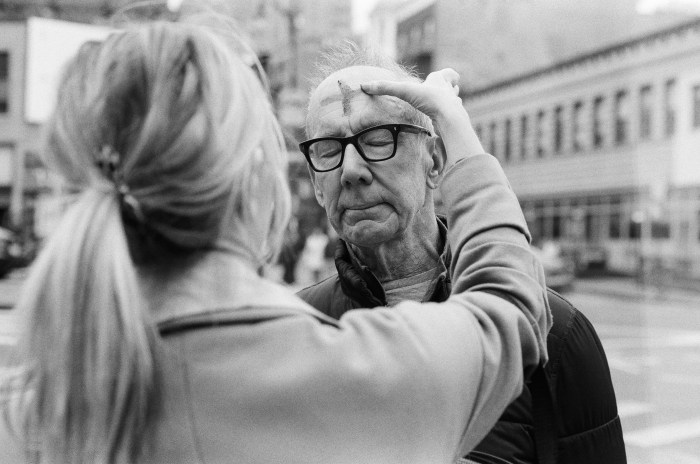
pixel 375 161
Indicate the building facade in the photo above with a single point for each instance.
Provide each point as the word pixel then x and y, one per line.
pixel 287 36
pixel 33 52
pixel 20 169
pixel 603 150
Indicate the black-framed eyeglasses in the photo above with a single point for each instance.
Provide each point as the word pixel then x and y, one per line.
pixel 376 143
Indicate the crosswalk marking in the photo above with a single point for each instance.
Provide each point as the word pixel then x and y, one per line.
pixel 626 409
pixel 633 365
pixel 677 457
pixel 681 379
pixel 665 434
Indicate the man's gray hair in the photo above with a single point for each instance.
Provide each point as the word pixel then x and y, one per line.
pixel 347 54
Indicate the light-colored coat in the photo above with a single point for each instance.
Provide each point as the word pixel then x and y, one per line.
pixel 252 374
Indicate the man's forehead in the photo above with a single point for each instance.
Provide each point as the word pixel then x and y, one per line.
pixel 343 85
pixel 342 90
pixel 353 76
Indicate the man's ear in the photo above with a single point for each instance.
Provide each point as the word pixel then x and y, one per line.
pixel 317 191
pixel 438 158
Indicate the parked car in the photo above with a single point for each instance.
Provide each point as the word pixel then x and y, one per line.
pixel 559 269
pixel 587 257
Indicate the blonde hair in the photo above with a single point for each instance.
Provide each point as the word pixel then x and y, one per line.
pixel 197 162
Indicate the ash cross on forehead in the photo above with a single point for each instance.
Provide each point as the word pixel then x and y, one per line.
pixel 346 94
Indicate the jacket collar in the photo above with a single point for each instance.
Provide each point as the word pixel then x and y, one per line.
pixel 220 285
pixel 359 283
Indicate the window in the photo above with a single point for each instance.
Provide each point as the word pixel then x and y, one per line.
pixel 523 136
pixel 660 230
pixel 541 150
pixel 684 232
pixel 4 78
pixel 669 108
pixel 614 225
pixel 696 106
pixel 556 224
pixel 621 118
pixel 506 141
pixel 635 227
pixel 6 155
pixel 589 227
pixel 577 143
pixel 598 137
pixel 492 138
pixel 558 129
pixel 645 112
pixel 539 229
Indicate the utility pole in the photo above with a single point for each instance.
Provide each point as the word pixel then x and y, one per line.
pixel 290 10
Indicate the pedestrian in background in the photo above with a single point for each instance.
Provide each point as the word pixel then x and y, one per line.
pixel 313 255
pixel 375 177
pixel 149 335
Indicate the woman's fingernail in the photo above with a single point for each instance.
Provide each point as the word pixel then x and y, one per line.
pixel 368 87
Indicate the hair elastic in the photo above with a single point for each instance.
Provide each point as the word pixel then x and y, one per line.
pixel 108 162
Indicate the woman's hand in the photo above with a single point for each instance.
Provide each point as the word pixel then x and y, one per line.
pixel 438 98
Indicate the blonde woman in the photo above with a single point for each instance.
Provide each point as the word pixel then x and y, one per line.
pixel 149 336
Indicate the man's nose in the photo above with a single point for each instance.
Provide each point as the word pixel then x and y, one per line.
pixel 355 170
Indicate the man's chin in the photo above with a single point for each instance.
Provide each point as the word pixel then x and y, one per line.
pixel 368 233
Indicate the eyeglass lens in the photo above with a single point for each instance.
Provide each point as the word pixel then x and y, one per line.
pixel 376 145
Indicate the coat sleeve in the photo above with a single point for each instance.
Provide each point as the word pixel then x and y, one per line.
pixel 495 271
pixel 453 367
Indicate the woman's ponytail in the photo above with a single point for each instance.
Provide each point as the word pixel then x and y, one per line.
pixel 167 135
pixel 90 347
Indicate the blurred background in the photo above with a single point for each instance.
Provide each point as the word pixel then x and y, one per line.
pixel 592 108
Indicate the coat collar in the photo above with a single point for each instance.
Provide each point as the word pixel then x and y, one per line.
pixel 220 286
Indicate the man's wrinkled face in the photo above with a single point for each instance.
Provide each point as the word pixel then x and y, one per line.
pixel 368 203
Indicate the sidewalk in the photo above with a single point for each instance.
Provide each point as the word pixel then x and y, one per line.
pixel 629 288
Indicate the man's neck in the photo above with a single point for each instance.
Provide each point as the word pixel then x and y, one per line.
pixel 416 251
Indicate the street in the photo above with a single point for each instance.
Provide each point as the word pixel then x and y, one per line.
pixel 652 343
pixel 652 346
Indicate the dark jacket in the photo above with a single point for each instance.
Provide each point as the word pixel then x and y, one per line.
pixel 588 427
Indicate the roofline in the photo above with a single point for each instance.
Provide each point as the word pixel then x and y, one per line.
pixel 561 65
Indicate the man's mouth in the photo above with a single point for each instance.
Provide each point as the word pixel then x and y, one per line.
pixel 372 212
pixel 361 207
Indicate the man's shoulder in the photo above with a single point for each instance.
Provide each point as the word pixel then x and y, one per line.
pixel 563 313
pixel 574 345
pixel 567 319
pixel 325 296
pixel 320 289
